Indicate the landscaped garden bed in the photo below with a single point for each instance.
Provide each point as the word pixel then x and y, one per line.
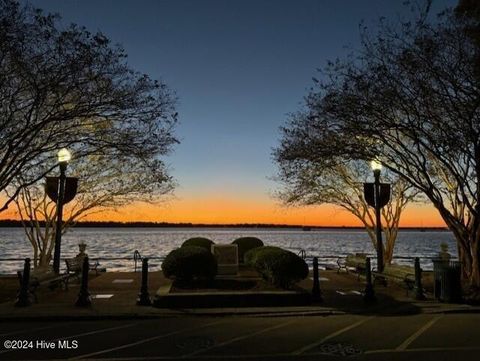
pixel 268 277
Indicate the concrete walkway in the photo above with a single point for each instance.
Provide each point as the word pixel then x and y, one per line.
pixel 114 295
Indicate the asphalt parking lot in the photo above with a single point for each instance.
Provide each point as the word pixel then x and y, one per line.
pixel 423 336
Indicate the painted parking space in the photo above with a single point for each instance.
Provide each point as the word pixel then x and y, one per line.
pixel 307 337
pixel 460 331
pixel 156 336
pixel 379 333
pixel 286 339
pixel 95 336
pixel 191 341
pixel 67 333
pixel 53 330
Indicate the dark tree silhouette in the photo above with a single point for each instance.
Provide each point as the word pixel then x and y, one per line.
pixel 65 87
pixel 105 184
pixel 410 98
pixel 314 182
pixel 468 8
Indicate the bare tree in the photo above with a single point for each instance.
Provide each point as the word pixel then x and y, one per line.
pixel 104 184
pixel 410 98
pixel 314 182
pixel 65 87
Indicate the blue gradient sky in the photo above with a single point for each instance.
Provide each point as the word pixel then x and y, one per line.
pixel 238 68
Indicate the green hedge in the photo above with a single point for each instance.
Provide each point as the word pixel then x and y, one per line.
pixel 280 267
pixel 198 242
pixel 188 263
pixel 251 256
pixel 245 244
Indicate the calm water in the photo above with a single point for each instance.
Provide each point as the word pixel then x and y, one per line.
pixel 108 243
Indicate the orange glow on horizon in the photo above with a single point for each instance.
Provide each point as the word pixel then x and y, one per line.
pixel 209 209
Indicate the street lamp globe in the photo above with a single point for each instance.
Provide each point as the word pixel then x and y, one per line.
pixel 376 165
pixel 64 155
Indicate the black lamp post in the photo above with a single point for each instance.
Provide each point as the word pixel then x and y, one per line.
pixel 377 195
pixel 376 167
pixel 64 157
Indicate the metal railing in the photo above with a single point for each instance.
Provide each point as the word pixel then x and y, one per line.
pixel 162 257
pixel 137 257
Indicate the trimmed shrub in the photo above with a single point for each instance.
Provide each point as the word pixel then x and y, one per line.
pixel 188 263
pixel 245 244
pixel 251 256
pixel 280 267
pixel 198 242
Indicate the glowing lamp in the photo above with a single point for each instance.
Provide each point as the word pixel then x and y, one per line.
pixel 375 165
pixel 64 155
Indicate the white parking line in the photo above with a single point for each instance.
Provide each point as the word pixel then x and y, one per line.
pixel 239 338
pixel 97 331
pixel 28 330
pixel 419 332
pixel 328 337
pixel 145 340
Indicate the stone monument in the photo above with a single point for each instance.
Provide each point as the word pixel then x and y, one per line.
pixel 227 258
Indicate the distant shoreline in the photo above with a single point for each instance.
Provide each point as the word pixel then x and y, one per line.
pixel 110 224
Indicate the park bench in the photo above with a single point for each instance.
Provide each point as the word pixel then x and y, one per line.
pixel 40 277
pixel 353 262
pixel 74 266
pixel 403 275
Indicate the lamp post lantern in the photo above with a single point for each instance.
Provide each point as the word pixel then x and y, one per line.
pixel 377 195
pixel 64 157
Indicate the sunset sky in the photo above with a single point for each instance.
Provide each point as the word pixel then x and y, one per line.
pixel 238 68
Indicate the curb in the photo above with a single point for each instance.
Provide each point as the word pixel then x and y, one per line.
pixel 172 314
pixel 196 313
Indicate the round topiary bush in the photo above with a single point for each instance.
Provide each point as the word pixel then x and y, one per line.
pixel 188 263
pixel 250 257
pixel 280 267
pixel 245 244
pixel 198 242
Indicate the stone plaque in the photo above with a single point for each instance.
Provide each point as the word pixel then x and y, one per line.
pixel 227 258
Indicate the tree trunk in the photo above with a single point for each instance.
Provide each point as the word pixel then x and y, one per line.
pixel 35 257
pixel 389 242
pixel 388 253
pixel 468 254
pixel 475 265
pixel 44 260
pixel 465 260
pixel 390 238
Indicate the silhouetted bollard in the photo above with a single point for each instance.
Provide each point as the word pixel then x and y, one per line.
pixel 418 281
pixel 23 298
pixel 84 299
pixel 143 297
pixel 369 295
pixel 316 292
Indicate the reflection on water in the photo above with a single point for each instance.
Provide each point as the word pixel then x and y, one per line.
pixel 328 245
